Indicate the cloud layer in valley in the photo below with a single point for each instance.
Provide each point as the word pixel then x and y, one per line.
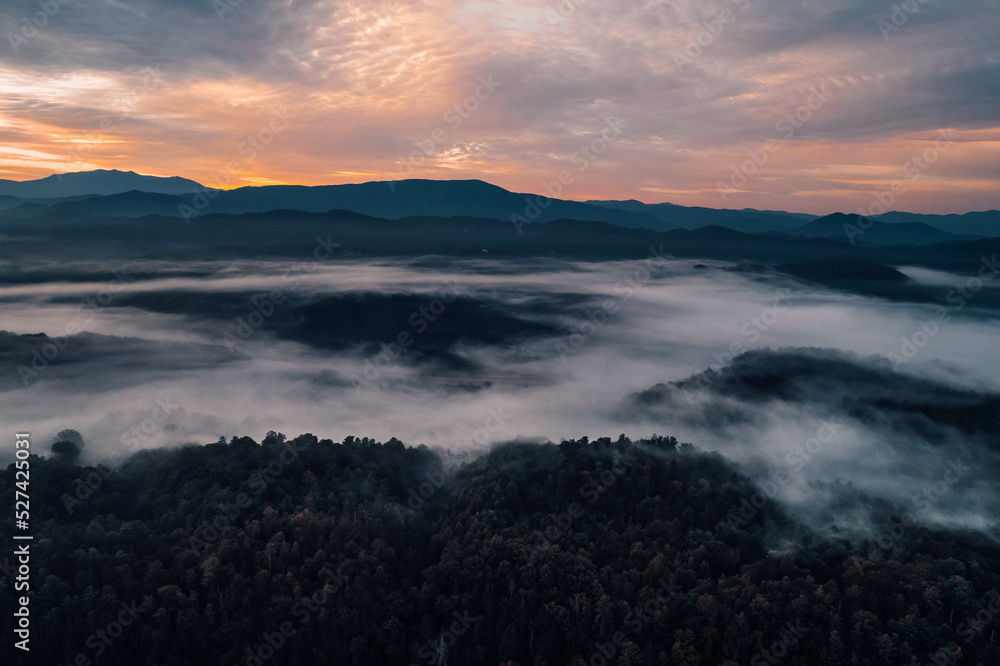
pixel 472 353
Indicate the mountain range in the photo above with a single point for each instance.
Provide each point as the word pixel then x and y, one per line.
pixel 115 193
pixel 99 182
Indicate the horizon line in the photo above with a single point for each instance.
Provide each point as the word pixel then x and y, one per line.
pixel 460 180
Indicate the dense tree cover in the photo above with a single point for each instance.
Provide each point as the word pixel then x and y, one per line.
pixel 594 552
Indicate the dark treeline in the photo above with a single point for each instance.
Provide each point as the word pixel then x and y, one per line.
pixel 598 552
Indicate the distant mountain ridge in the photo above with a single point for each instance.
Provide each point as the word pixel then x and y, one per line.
pixel 101 182
pixel 131 204
pixel 867 231
pixel 127 194
pixel 692 217
pixel 408 198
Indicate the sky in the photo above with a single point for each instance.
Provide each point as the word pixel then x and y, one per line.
pixel 810 106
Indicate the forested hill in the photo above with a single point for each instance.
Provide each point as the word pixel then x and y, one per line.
pixel 594 552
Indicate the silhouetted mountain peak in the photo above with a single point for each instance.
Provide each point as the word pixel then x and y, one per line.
pixel 98 182
pixel 842 218
pixel 854 228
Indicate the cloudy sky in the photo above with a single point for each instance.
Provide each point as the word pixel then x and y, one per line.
pixel 516 92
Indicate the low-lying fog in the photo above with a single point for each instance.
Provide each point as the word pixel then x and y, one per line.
pixel 537 350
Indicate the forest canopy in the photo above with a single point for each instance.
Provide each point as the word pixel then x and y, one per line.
pixel 307 551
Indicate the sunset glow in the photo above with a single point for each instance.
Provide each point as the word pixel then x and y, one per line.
pixel 391 90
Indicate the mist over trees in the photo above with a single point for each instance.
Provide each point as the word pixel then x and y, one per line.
pixel 307 551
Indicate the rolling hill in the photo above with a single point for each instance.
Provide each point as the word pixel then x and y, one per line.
pixel 102 182
pixel 866 231
pixel 127 194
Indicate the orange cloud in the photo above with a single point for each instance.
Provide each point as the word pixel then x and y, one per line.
pixel 367 88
